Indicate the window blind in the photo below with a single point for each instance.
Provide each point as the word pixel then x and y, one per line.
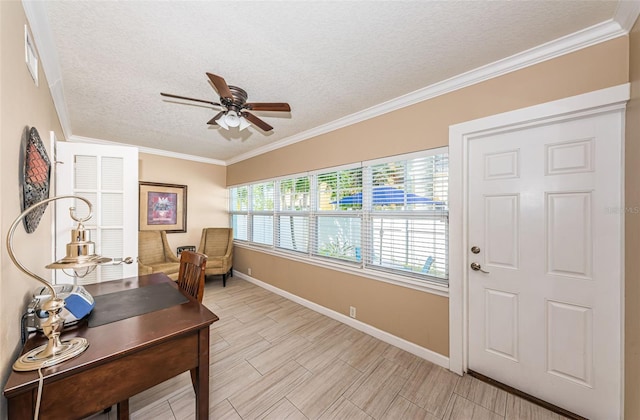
pixel 337 224
pixel 293 211
pixel 262 207
pixel 388 215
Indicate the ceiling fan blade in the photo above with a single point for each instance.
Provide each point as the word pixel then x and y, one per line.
pixel 221 86
pixel 190 99
pixel 257 121
pixel 212 121
pixel 268 106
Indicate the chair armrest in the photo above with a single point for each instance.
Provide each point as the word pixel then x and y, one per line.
pixel 144 269
pixel 203 237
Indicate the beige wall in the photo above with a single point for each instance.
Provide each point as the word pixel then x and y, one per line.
pixel 206 193
pixel 403 312
pixel 632 233
pixel 419 317
pixel 21 104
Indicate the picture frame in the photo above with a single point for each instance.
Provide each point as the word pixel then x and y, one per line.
pixel 162 207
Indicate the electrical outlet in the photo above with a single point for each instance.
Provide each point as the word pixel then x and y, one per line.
pixel 352 311
pixel 248 271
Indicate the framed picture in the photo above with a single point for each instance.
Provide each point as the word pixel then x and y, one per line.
pixel 163 207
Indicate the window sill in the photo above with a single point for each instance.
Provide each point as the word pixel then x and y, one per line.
pixel 398 280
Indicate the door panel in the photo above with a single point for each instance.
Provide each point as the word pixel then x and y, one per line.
pixel 545 307
pixel 501 321
pixel 502 230
pixel 569 242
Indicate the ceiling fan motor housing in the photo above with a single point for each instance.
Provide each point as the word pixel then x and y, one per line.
pixel 239 99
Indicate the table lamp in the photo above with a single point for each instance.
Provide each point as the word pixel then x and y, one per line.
pixel 82 260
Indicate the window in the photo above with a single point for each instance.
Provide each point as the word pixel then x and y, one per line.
pixel 262 207
pixel 384 216
pixel 408 219
pixel 338 220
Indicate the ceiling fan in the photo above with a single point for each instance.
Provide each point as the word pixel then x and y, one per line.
pixel 233 100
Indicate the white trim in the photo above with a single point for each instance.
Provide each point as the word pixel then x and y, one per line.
pixel 626 14
pixel 148 150
pixel 623 319
pixel 459 136
pixel 408 156
pixel 405 345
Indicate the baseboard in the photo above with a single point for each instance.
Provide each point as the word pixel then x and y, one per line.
pixel 405 345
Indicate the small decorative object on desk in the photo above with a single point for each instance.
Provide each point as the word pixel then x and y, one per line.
pixel 185 248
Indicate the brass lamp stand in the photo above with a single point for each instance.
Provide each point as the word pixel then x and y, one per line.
pixel 80 256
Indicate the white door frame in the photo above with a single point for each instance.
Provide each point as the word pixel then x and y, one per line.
pixel 459 136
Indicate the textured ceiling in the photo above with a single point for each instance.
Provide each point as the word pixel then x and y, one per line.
pixel 327 59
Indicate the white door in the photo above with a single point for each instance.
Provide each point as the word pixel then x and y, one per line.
pixel 108 177
pixel 544 209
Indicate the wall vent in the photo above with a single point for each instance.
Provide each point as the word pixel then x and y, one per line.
pixel 30 55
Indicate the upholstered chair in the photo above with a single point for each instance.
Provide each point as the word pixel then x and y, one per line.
pixel 154 254
pixel 217 245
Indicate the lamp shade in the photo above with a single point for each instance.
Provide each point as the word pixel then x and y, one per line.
pixel 244 123
pixel 222 122
pixel 80 253
pixel 232 119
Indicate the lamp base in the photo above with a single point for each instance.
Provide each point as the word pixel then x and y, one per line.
pixel 32 360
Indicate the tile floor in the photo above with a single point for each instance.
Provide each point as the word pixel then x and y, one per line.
pixel 272 358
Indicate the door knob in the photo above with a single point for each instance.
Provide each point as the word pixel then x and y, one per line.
pixel 477 267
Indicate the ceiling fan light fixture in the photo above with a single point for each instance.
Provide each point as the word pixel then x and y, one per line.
pixel 232 119
pixel 222 122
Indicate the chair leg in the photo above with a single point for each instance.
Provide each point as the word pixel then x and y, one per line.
pixel 224 280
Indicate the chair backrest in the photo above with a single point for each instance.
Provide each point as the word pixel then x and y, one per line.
pixel 191 276
pixel 215 241
pixel 151 246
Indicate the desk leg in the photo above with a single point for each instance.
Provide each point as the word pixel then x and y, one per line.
pixel 201 383
pixel 123 410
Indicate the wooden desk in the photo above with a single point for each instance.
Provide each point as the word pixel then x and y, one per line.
pixel 124 358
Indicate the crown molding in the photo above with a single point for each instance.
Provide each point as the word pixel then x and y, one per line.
pixel 627 13
pixel 148 150
pixel 573 42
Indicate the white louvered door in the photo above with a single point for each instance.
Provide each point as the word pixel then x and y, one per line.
pixel 108 177
pixel 545 211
